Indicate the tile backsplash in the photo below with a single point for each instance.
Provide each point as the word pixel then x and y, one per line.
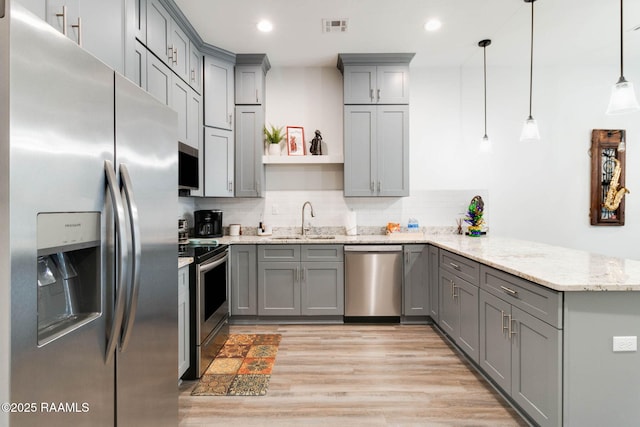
pixel 284 208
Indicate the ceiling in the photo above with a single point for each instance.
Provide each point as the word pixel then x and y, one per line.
pixel 566 31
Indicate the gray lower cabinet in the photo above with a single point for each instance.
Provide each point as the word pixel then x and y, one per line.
pixel 415 300
pixel 300 280
pixel 433 288
pixel 518 350
pixel 244 280
pixel 458 280
pixel 184 353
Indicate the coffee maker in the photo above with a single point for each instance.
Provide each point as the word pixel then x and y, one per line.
pixel 208 223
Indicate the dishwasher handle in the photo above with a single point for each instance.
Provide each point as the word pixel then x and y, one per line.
pixel 373 248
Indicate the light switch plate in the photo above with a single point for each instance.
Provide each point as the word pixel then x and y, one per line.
pixel 625 344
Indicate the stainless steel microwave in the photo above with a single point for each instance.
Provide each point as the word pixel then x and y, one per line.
pixel 188 178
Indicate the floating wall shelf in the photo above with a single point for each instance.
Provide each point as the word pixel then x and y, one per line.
pixel 296 160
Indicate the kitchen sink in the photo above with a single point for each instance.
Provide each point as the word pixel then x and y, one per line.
pixel 286 237
pixel 319 237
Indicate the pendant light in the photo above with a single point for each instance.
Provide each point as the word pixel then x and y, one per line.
pixel 485 143
pixel 623 97
pixel 530 129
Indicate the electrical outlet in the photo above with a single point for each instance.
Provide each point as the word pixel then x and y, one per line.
pixel 625 344
pixel 275 210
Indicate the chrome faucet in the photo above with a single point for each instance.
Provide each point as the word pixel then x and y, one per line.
pixel 304 230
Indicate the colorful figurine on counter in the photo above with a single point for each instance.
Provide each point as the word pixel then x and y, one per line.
pixel 316 144
pixel 474 216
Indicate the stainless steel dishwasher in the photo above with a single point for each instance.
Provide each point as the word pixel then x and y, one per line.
pixel 373 281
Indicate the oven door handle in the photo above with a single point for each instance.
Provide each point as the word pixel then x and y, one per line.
pixel 210 265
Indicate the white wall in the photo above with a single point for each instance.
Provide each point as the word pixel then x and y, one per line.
pixel 541 191
pixel 532 191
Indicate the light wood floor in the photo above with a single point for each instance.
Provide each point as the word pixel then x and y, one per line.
pixel 357 375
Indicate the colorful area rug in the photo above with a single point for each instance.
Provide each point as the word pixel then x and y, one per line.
pixel 242 367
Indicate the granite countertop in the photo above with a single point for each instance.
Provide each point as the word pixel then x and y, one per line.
pixel 554 267
pixel 183 261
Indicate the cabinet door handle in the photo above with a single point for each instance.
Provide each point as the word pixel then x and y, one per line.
pixel 175 55
pixel 64 19
pixel 456 266
pixel 371 95
pixel 230 119
pixel 257 96
pixel 193 75
pixel 504 328
pixel 379 186
pixel 78 27
pixel 302 274
pixel 297 274
pixel 230 186
pixel 512 329
pixel 170 53
pixel 373 186
pixel 378 94
pixel 509 291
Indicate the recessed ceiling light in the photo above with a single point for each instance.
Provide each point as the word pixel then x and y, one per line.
pixel 433 25
pixel 265 26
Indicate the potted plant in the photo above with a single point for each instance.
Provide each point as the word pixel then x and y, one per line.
pixel 273 138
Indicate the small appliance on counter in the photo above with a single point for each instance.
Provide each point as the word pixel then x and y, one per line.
pixel 208 223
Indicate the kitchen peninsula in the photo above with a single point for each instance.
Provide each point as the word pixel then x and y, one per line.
pixel 538 321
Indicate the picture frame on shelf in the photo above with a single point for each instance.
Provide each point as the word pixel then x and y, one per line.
pixel 295 141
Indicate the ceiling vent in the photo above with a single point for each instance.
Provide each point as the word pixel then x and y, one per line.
pixel 335 25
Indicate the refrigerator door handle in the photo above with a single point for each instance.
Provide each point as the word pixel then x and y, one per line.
pixel 118 210
pixel 134 285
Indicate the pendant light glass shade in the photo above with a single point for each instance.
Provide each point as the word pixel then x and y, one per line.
pixel 530 129
pixel 623 97
pixel 485 144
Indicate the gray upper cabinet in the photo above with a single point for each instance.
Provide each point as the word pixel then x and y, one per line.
pixel 158 25
pixel 159 80
pixel 249 169
pixel 244 280
pixel 195 68
pixel 138 74
pixel 218 162
pixel 166 39
pixel 251 71
pixel 376 150
pixel 218 93
pixel 96 25
pixel 249 85
pixel 140 20
pixel 366 84
pixel 415 293
pixel 180 100
pixel 180 52
pixel 376 137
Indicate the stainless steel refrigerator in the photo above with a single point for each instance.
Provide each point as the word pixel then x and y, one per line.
pixel 88 253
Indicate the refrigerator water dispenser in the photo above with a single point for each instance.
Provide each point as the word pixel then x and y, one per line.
pixel 68 272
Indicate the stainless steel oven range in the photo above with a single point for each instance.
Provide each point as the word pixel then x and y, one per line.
pixel 209 306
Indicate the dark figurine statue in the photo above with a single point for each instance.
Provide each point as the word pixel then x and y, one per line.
pixel 316 144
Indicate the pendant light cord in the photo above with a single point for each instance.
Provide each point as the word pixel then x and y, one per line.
pixel 621 44
pixel 485 89
pixel 531 65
